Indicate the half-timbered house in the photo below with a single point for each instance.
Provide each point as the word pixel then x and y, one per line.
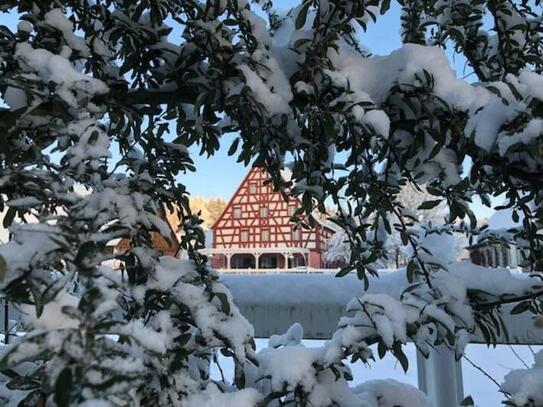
pixel 255 231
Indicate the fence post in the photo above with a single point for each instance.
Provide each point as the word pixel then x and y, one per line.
pixel 440 377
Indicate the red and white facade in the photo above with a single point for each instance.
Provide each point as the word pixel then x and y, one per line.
pixel 255 232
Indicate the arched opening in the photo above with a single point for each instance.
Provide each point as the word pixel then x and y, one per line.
pixel 243 261
pixel 297 260
pixel 270 261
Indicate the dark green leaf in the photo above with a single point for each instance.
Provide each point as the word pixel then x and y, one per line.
pixel 429 204
pixel 521 307
pixel 468 401
pixel 63 388
pixel 225 304
pixel 302 15
pixel 8 218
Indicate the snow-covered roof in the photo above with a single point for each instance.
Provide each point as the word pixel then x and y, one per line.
pixel 499 224
pixel 503 219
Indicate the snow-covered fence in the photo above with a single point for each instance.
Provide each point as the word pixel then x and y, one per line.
pixel 272 303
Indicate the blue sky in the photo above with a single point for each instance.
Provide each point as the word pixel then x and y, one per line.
pixel 219 175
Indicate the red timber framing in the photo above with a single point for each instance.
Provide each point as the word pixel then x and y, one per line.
pixel 255 232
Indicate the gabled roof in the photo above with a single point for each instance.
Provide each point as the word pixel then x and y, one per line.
pixel 503 219
pixel 498 225
pixel 286 174
pixel 229 204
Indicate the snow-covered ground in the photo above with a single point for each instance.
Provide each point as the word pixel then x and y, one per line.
pixel 496 362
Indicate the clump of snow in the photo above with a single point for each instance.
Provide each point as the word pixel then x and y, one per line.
pixel 293 336
pixel 289 367
pixel 337 248
pixel 495 281
pixel 157 335
pixel 59 70
pixel 439 246
pixel 268 82
pixel 376 75
pixel 525 386
pixel 52 316
pixel 117 201
pixel 56 19
pixel 533 83
pixel 324 381
pixel 211 320
pixel 390 393
pixel 529 133
pixel 258 27
pixel 91 147
pixel 387 314
pixel 212 396
pixel 178 277
pixel 436 312
pixel 29 247
pixel 488 123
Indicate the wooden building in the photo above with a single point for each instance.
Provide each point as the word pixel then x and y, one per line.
pixel 163 246
pixel 255 232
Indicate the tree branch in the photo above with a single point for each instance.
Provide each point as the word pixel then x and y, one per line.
pixel 152 97
pixel 510 300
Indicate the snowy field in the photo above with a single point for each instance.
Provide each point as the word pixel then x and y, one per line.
pixel 496 362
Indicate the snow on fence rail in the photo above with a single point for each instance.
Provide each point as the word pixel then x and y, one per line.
pixel 273 302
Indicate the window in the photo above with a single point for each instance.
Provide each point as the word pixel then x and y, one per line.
pixel 252 187
pixel 264 212
pixel 265 235
pixel 244 235
pixel 237 212
pixel 296 234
